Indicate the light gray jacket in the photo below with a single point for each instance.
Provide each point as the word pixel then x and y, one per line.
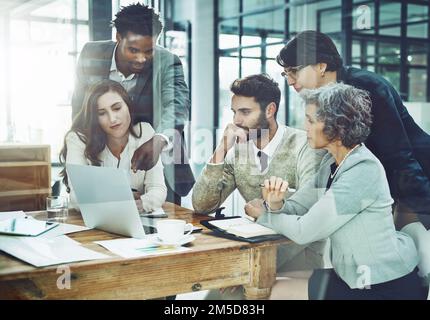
pixel 355 213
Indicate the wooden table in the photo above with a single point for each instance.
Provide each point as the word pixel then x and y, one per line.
pixel 212 263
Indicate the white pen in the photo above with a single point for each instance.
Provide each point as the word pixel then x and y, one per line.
pixel 289 189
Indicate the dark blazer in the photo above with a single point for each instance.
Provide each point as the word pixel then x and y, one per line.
pixel 160 97
pixel 399 143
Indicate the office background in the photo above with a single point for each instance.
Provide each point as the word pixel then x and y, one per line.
pixel 218 41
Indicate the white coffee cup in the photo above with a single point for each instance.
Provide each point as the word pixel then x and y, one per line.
pixel 171 231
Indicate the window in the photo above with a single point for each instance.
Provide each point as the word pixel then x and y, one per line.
pixel 417 55
pixel 228 72
pixel 330 20
pixel 392 74
pixel 244 43
pixel 389 53
pixel 376 42
pixel 417 85
pixel 228 8
pixel 389 18
pixel 418 21
pixel 43 44
pixel 229 34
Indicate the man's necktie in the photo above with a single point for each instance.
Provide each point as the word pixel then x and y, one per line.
pixel 264 158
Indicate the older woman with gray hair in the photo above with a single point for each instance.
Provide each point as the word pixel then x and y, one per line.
pixel 348 201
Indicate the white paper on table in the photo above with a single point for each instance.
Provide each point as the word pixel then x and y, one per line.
pixel 63 228
pixel 132 248
pixel 11 214
pixel 42 252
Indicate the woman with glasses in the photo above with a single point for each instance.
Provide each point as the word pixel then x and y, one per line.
pixel 347 201
pixel 103 134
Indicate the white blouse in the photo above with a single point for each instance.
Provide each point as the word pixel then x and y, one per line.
pixel 149 183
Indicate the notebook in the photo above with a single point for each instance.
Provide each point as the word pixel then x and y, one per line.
pixel 242 229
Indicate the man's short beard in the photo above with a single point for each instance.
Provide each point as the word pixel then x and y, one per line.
pixel 262 126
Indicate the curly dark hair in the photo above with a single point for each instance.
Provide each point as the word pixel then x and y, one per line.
pixel 344 110
pixel 139 19
pixel 259 86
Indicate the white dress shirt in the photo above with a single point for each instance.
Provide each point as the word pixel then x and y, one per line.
pixel 127 82
pixel 270 148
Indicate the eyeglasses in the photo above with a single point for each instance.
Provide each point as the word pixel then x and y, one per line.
pixel 291 72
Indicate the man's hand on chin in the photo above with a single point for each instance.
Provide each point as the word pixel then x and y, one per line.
pixel 146 156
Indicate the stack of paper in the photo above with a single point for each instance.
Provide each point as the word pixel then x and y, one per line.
pixel 50 248
pixel 42 252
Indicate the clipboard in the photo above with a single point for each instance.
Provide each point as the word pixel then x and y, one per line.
pixel 224 234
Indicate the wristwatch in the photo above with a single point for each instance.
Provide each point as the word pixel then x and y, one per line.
pixel 267 207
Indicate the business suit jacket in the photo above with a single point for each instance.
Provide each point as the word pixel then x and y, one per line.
pixel 160 98
pixel 398 142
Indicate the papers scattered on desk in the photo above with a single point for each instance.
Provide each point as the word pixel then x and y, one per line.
pixel 50 248
pixel 132 248
pixel 41 252
pixel 63 228
pixel 242 227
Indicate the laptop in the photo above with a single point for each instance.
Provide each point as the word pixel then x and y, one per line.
pixel 105 199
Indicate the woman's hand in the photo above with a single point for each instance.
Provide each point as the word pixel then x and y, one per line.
pixel 274 192
pixel 254 208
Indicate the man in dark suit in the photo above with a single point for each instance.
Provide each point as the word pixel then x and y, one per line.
pixel 154 79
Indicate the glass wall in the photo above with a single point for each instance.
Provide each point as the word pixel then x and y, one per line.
pixel 42 41
pixel 390 38
pixel 250 36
